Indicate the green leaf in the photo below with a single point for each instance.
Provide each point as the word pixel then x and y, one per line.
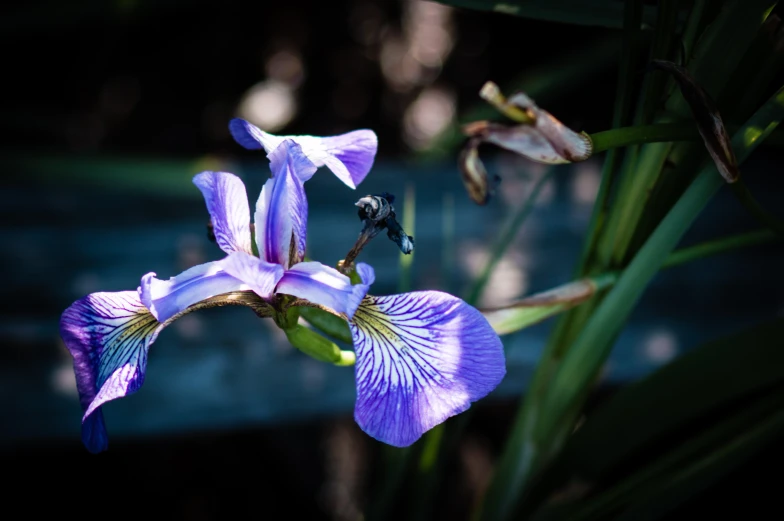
pixel 535 442
pixel 603 13
pixel 692 387
pixel 688 467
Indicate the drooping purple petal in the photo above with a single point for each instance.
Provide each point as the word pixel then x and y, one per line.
pixel 350 156
pixel 227 203
pixel 166 298
pixel 323 285
pixel 282 208
pixel 261 276
pixel 108 335
pixel 422 357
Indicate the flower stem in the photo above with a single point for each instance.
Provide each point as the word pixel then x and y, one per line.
pixel 528 311
pixel 632 15
pixel 709 248
pixel 656 133
pixel 589 351
pixel 539 433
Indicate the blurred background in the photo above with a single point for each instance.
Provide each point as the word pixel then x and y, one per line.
pixel 110 108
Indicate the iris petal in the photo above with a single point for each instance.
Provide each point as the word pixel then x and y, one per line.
pixel 227 203
pixel 350 156
pixel 422 357
pixel 108 335
pixel 282 209
pixel 323 285
pixel 166 298
pixel 259 275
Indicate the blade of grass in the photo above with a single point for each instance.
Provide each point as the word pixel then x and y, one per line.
pixel 409 225
pixel 536 308
pixel 582 363
pixel 601 13
pixel 535 438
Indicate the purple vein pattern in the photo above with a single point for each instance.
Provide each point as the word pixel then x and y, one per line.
pixel 422 357
pixel 108 335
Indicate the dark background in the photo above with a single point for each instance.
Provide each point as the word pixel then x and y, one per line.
pixel 115 84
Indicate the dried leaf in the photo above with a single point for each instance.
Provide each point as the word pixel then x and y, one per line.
pixel 709 122
pixel 473 172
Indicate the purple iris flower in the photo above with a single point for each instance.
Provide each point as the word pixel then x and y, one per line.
pixel 349 156
pixel 421 357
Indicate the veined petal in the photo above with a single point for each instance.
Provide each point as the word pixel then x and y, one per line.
pixel 108 335
pixel 261 276
pixel 350 156
pixel 323 285
pixel 421 358
pixel 227 203
pixel 166 298
pixel 282 209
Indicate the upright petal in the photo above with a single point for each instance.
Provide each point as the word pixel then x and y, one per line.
pixel 421 358
pixel 166 298
pixel 350 156
pixel 108 335
pixel 282 209
pixel 227 203
pixel 323 285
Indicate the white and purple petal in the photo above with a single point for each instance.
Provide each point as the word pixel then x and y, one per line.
pixel 167 298
pixel 108 335
pixel 350 156
pixel 422 357
pixel 282 208
pixel 227 203
pixel 324 285
pixel 259 275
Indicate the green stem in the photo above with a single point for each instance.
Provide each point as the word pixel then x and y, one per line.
pixel 506 238
pixel 698 455
pixel 709 248
pixel 589 351
pixel 632 16
pixel 517 317
pixel 538 432
pixel 409 225
pixel 655 133
pixel 636 135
